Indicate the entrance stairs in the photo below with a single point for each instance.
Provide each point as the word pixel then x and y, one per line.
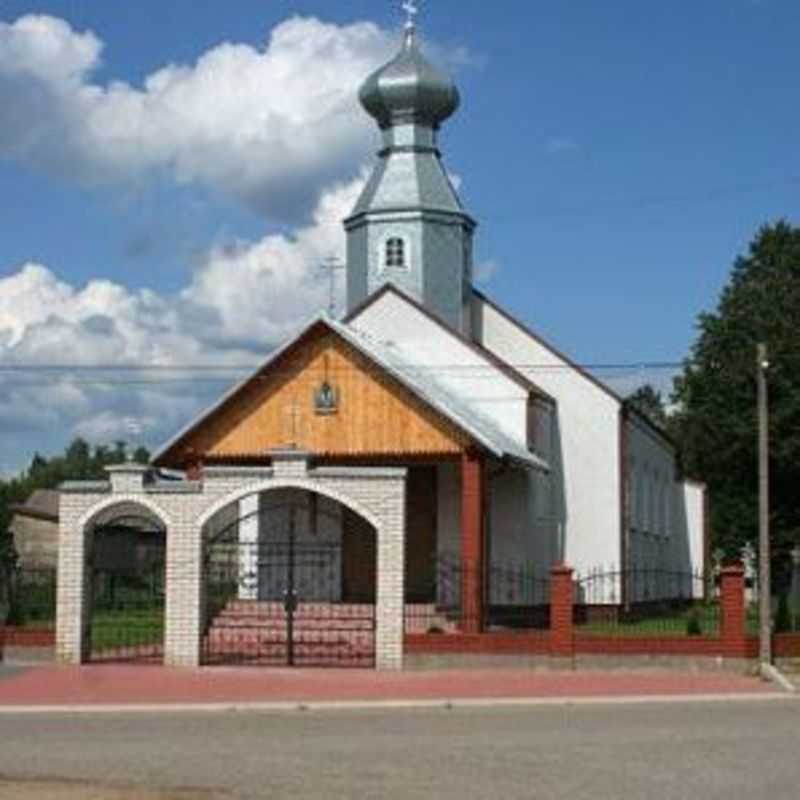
pixel 257 631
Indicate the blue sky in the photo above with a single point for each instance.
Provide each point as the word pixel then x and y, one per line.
pixel 166 201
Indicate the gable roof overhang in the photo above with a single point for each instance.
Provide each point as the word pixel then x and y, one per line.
pixel 487 355
pixel 481 431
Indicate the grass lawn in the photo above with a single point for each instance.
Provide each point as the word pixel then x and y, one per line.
pixel 127 628
pixel 668 625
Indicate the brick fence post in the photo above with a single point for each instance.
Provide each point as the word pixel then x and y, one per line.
pixel 472 542
pixel 734 634
pixel 561 611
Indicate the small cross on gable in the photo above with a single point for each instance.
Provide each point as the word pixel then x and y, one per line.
pixel 294 414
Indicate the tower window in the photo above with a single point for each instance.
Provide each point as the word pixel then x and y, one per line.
pixel 395 253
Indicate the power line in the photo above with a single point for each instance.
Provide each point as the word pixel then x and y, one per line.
pixel 604 204
pixel 628 365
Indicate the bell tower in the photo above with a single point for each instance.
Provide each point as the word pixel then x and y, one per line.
pixel 408 227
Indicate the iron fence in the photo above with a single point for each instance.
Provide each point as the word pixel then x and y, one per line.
pixel 643 602
pixel 28 597
pixel 785 597
pixel 514 597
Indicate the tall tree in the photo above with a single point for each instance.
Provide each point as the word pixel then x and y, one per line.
pixel 716 394
pixel 648 401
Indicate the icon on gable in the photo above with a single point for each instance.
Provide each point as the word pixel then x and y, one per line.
pixel 326 399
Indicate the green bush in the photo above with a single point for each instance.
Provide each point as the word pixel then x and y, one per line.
pixel 783 617
pixel 693 626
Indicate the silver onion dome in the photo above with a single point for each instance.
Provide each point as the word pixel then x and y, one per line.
pixel 409 90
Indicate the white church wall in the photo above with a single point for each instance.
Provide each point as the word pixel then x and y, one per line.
pixel 448 511
pixel 448 525
pixel 694 503
pixel 584 485
pixel 666 517
pixel 448 360
pixel 318 539
pixel 249 524
pixel 523 527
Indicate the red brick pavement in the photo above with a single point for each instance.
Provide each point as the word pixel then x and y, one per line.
pixel 143 685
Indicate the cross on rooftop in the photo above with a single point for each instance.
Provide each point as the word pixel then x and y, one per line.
pixel 294 412
pixel 412 10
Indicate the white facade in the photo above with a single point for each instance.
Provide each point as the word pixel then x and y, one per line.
pixel 582 524
pixel 446 359
pixel 610 499
pixel 666 517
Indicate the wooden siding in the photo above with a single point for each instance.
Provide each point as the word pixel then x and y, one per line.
pixel 376 414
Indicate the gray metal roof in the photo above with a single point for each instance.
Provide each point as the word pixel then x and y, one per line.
pixel 41 503
pixel 409 89
pixel 423 384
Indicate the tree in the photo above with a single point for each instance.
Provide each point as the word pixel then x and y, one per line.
pixel 646 400
pixel 716 395
pixel 78 462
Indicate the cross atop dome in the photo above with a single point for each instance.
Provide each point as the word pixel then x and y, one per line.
pixel 412 11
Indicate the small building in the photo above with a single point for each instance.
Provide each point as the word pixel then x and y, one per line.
pixel 34 527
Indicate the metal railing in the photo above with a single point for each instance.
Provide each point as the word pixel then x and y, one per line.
pixel 28 597
pixel 646 602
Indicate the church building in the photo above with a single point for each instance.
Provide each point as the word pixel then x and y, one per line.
pixel 417 466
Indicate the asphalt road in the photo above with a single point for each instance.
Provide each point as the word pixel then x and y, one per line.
pixel 734 750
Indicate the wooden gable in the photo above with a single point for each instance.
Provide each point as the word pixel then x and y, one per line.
pixel 375 414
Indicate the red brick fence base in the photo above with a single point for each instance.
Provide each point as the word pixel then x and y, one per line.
pixel 562 640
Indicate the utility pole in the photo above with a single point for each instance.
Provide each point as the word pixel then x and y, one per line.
pixel 764 578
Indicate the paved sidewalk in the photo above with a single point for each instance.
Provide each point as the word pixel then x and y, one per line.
pixel 147 686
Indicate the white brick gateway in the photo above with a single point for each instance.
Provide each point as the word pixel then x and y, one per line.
pixel 376 494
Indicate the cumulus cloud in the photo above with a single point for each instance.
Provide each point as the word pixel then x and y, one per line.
pixel 267 126
pixel 259 292
pixel 240 303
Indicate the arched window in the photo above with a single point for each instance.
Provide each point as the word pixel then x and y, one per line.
pixel 395 256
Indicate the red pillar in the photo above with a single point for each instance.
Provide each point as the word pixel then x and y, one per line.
pixel 561 611
pixel 472 546
pixel 733 623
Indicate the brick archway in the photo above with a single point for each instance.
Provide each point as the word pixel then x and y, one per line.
pixel 375 494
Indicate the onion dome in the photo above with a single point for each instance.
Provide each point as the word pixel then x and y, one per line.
pixel 409 90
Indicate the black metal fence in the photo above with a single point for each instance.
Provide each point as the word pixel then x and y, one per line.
pixel 515 597
pixel 645 602
pixel 28 597
pixel 785 600
pixel 127 605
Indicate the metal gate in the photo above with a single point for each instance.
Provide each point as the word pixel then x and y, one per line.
pixel 126 571
pixel 292 584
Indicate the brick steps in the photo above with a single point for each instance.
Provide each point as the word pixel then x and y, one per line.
pixel 256 632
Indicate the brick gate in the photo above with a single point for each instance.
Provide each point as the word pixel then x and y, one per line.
pixel 376 495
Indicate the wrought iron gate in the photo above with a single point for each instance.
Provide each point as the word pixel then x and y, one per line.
pixel 126 571
pixel 292 594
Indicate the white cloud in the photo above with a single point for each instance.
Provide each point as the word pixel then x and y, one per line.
pixel 561 145
pixel 241 302
pixel 260 292
pixel 486 270
pixel 266 126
